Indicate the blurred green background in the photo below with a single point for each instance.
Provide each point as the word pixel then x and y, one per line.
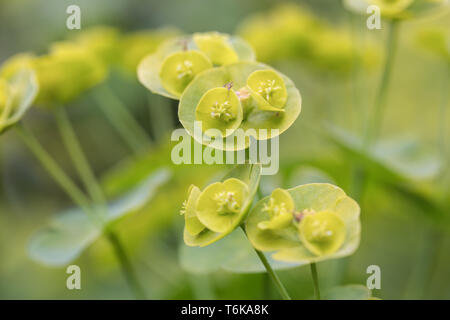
pixel 403 230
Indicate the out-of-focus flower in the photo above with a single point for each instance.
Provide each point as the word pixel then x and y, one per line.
pixel 136 45
pixel 437 41
pixel 397 9
pixel 289 32
pixel 18 89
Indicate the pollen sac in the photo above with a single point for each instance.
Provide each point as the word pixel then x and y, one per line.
pixel 216 47
pixel 322 233
pixel 192 224
pixel 219 205
pixel 219 108
pixel 268 89
pixel 280 208
pixel 179 68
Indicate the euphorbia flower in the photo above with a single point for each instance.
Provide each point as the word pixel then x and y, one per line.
pixel 305 224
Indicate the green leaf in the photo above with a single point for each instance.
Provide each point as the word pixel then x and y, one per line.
pixel 286 244
pixel 71 232
pixel 393 159
pixel 254 118
pixel 250 175
pixel 234 253
pixel 22 90
pixel 348 292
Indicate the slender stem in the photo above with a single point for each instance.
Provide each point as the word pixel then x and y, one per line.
pixel 281 289
pixel 278 284
pixel 119 116
pixel 55 170
pixel 78 157
pixel 315 280
pixel 380 98
pixel 127 267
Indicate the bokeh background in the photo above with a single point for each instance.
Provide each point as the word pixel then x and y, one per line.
pixel 403 230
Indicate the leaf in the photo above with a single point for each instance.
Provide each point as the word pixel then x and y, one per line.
pixel 254 118
pixel 348 292
pixel 23 88
pixel 285 243
pixel 247 173
pixel 149 68
pixel 71 232
pixel 394 159
pixel 234 253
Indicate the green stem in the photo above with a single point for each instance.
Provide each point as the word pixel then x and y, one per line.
pixel 86 174
pixel 55 170
pixel 281 289
pixel 119 116
pixel 78 157
pixel 374 125
pixel 315 280
pixel 127 267
pixel 278 284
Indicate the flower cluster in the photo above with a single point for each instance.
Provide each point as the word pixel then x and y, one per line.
pixel 305 224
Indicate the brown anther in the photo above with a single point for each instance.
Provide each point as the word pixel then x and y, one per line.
pixel 228 85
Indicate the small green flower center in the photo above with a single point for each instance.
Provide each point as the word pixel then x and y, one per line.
pixel 321 232
pixel 226 202
pixel 275 210
pixel 184 69
pixel 267 88
pixel 222 111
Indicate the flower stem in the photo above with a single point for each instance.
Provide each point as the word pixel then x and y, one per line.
pixel 278 284
pixel 127 267
pixel 55 170
pixel 376 119
pixel 78 157
pixel 86 174
pixel 281 289
pixel 315 280
pixel 119 116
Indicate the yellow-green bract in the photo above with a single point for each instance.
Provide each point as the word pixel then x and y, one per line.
pixel 323 224
pixel 18 89
pixel 216 211
pixel 245 80
pixel 217 48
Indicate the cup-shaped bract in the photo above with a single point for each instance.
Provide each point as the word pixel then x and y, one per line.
pixel 268 89
pixel 178 61
pixel 216 211
pixel 217 47
pixel 397 9
pixel 18 89
pixel 220 109
pixel 258 122
pixel 322 223
pixel 180 68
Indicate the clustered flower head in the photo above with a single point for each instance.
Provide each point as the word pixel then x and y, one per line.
pixel 305 224
pixel 220 86
pixel 290 32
